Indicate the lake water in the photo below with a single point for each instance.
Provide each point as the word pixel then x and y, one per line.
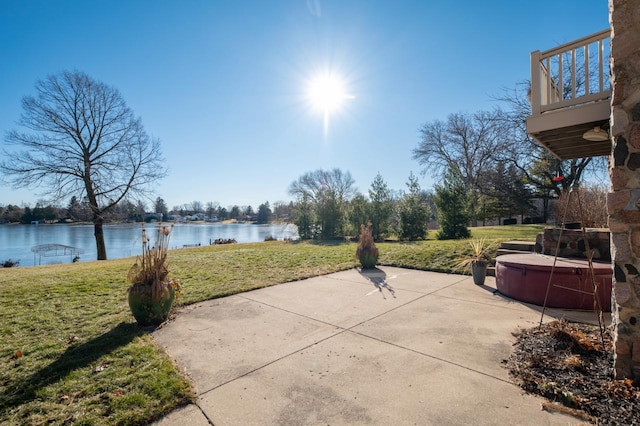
pixel 123 240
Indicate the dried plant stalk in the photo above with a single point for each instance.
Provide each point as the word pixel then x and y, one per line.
pixel 151 268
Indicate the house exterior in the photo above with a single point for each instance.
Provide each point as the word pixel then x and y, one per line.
pixel 570 95
pixel 571 112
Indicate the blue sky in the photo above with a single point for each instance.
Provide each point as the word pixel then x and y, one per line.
pixel 224 84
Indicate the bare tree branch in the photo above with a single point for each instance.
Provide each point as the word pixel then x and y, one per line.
pixel 538 165
pixel 466 142
pixel 84 141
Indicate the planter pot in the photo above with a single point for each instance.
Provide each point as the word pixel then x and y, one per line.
pixel 368 260
pixel 478 271
pixel 147 310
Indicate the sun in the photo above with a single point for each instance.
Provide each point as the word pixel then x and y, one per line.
pixel 327 93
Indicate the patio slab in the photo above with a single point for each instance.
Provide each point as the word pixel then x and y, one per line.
pixel 388 346
pixel 220 340
pixel 354 380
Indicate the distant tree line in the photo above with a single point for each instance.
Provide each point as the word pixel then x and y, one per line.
pixel 281 211
pixel 328 206
pixel 78 210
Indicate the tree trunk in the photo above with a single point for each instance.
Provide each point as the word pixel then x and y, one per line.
pixel 98 232
pixel 545 208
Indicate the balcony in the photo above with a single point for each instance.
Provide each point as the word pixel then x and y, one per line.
pixel 571 94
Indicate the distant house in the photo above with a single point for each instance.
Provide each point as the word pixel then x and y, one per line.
pixel 175 218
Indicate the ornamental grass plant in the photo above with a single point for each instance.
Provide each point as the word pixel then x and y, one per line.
pixel 151 268
pixel 481 251
pixel 367 252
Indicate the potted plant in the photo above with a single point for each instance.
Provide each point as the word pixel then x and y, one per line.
pixel 478 260
pixel 367 252
pixel 152 291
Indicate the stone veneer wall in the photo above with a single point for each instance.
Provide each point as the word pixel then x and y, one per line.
pixel 623 202
pixel 572 243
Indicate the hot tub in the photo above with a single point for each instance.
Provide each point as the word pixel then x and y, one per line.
pixel 525 277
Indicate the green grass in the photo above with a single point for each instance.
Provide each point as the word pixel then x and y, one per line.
pixel 507 233
pixel 84 360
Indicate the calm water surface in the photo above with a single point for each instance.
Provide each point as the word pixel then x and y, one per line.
pixel 123 240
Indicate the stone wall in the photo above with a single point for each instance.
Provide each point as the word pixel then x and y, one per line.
pixel 623 202
pixel 572 243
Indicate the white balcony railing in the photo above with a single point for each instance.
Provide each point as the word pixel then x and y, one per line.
pixel 573 74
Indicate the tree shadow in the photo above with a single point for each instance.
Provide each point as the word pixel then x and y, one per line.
pixel 379 279
pixel 329 242
pixel 75 357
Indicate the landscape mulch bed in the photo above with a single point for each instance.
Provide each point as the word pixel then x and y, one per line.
pixel 568 364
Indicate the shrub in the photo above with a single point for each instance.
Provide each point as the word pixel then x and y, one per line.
pixel 224 241
pixel 9 263
pixel 593 199
pixel 270 238
pixel 367 252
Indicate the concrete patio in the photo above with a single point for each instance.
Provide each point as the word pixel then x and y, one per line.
pixel 388 346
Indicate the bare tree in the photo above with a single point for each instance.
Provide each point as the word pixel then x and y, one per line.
pixel 546 173
pixel 590 208
pixel 196 207
pixel 328 193
pixel 212 208
pixel 465 142
pixel 315 184
pixel 282 209
pixel 84 141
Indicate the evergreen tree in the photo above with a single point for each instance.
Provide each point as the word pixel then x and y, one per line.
pixel 453 200
pixel 305 218
pixel 235 212
pixel 161 207
pixel 507 186
pixel 330 215
pixel 264 213
pixel 40 213
pixel 380 208
pixel 358 213
pixel 140 211
pixel 26 216
pixel 73 209
pixel 414 212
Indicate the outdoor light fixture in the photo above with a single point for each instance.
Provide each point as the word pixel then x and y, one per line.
pixel 596 135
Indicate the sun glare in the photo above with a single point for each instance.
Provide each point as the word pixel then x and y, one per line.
pixel 327 94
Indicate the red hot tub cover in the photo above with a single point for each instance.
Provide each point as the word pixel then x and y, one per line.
pixel 525 277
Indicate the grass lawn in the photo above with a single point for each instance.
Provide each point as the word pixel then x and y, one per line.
pixel 71 352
